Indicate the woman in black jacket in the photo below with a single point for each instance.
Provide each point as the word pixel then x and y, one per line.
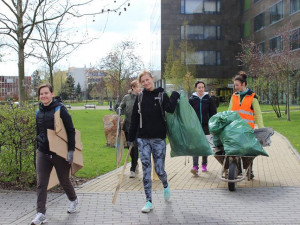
pixel 148 125
pixel 46 159
pixel 205 108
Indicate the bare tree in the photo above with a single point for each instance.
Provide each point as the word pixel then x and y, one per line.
pixel 121 64
pixel 19 18
pixel 272 71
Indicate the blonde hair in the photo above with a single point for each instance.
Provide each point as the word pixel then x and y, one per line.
pixel 145 72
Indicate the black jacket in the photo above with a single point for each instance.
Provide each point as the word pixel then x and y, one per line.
pixel 45 120
pixel 153 124
pixel 204 108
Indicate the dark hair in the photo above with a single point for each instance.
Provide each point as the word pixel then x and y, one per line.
pixel 242 77
pixel 45 85
pixel 198 82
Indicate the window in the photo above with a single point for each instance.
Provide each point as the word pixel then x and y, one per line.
pixel 295 39
pixel 275 43
pixel 203 58
pixel 294 6
pixel 276 12
pixel 199 32
pixel 200 6
pixel 259 22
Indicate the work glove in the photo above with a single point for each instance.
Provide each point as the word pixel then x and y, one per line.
pixel 130 143
pixel 70 157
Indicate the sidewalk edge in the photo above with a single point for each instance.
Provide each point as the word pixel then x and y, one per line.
pixel 290 145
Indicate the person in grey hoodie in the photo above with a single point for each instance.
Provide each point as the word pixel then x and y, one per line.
pixel 205 108
pixel 126 108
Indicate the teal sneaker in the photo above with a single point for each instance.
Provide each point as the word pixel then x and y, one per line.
pixel 167 192
pixel 147 207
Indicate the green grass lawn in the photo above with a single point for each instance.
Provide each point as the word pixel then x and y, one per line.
pixel 289 129
pixel 82 103
pixel 98 158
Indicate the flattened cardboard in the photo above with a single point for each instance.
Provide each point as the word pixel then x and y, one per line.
pixel 58 143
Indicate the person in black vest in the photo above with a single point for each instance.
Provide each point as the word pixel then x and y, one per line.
pixel 205 108
pixel 45 159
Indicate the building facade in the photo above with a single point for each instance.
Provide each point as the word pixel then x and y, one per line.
pixel 264 20
pixel 9 87
pixel 211 26
pixel 85 77
pixel 216 28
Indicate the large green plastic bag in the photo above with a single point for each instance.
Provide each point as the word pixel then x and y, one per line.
pixel 238 139
pixel 185 133
pixel 220 120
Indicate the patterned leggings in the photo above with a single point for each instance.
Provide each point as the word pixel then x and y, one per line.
pixel 157 147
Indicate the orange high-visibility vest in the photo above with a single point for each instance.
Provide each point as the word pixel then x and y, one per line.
pixel 244 108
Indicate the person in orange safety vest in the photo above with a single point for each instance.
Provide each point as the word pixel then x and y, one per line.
pixel 245 101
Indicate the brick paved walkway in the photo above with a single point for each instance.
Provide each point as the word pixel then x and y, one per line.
pixel 273 197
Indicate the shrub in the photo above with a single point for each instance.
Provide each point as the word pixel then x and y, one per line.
pixel 17 145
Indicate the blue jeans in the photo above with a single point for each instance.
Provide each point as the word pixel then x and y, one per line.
pixel 196 160
pixel 157 147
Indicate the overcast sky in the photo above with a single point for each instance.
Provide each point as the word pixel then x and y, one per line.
pixel 133 25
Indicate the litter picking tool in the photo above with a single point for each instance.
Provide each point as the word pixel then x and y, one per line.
pixel 121 177
pixel 119 140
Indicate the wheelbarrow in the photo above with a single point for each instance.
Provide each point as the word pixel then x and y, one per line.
pixel 234 168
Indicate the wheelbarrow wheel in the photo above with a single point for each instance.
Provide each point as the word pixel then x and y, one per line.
pixel 231 176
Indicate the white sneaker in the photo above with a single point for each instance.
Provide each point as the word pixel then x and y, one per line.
pixel 73 205
pixel 39 219
pixel 132 174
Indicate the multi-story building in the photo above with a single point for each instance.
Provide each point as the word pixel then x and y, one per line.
pixel 216 28
pixel 213 28
pixel 9 87
pixel 85 76
pixel 264 22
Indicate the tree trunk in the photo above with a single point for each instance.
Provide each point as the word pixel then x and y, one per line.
pixel 21 63
pixel 21 68
pixel 288 99
pixel 51 75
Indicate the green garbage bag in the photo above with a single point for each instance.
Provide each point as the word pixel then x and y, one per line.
pixel 238 139
pixel 185 132
pixel 219 121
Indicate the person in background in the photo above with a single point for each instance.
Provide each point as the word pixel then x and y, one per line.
pixel 149 126
pixel 126 107
pixel 245 101
pixel 205 108
pixel 45 159
pixel 215 99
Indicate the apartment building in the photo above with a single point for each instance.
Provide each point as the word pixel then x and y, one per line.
pixel 9 87
pixel 212 26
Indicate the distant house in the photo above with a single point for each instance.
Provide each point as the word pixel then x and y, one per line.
pixel 9 87
pixel 85 76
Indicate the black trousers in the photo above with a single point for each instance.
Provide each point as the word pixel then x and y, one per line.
pixel 44 165
pixel 134 154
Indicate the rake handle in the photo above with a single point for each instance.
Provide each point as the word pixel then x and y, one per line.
pixel 121 176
